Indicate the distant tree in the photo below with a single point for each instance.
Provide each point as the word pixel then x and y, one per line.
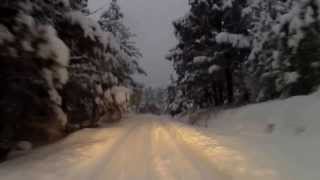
pixel 112 21
pixel 154 100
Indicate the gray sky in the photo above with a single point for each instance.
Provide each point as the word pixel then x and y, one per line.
pixel 152 20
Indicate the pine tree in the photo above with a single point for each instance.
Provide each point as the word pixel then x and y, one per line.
pixel 263 61
pixel 213 43
pixel 233 47
pixel 33 71
pixel 97 65
pixel 285 33
pixel 112 21
pixel 58 68
pixel 191 58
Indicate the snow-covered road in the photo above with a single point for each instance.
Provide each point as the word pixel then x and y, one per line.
pixel 142 147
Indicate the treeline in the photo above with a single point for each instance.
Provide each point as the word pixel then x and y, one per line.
pixel 150 100
pixel 232 52
pixel 61 70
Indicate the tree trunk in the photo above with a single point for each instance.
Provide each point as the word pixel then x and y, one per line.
pixel 218 95
pixel 220 90
pixel 215 94
pixel 229 79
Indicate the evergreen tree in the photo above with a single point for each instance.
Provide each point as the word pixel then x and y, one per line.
pixel 191 57
pixel 286 32
pixel 299 49
pixel 112 21
pixel 33 72
pixel 263 64
pixel 213 43
pixel 233 47
pixel 59 70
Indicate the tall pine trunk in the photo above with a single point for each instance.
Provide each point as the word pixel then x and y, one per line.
pixel 229 79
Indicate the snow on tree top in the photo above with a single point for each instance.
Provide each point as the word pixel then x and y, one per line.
pixel 53 47
pixel 89 26
pixel 291 77
pixel 236 40
pixel 300 16
pixel 214 68
pixel 92 30
pixel 200 59
pixel 227 4
pixel 5 34
pixel 66 3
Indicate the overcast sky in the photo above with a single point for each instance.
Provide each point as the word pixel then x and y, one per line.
pixel 151 20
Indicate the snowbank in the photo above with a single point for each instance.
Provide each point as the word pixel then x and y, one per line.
pixel 282 135
pixel 293 116
pixel 297 115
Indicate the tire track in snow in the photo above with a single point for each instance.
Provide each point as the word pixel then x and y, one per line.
pixel 129 159
pixel 68 159
pixel 230 162
pixel 200 163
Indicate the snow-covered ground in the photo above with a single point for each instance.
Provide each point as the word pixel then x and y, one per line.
pixel 142 147
pixel 272 141
pixel 280 136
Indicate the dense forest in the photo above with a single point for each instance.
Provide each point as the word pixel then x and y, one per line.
pixel 232 90
pixel 61 70
pixel 234 52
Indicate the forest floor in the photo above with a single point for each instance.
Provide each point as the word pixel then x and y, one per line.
pixel 147 147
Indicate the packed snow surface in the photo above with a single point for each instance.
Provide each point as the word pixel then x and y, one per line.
pixel 281 137
pixel 146 147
